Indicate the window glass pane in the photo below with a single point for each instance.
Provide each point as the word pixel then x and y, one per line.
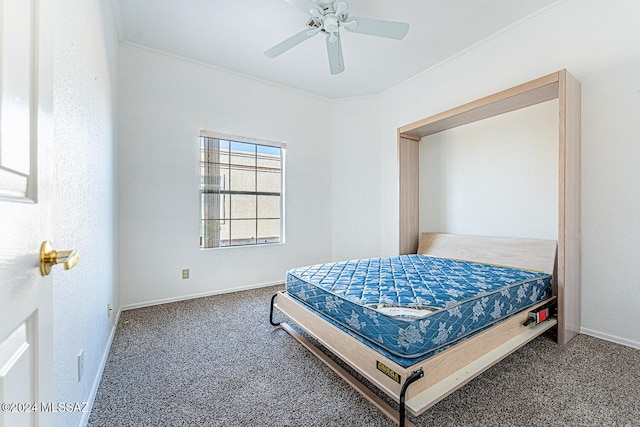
pixel 242 156
pixel 225 207
pixel 268 230
pixel 209 233
pixel 211 206
pixel 269 181
pixel 210 179
pixel 225 233
pixel 209 163
pixel 268 162
pixel 243 167
pixel 243 179
pixel 243 206
pixel 243 232
pixel 223 152
pixel 224 157
pixel 269 166
pixel 271 151
pixel 223 178
pixel 268 207
pixel 243 147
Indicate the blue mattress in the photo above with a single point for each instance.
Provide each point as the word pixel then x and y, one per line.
pixel 412 305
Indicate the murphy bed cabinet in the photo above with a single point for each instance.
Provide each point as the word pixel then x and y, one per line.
pixel 560 85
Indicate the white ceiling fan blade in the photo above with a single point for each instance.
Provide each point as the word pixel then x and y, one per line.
pixel 377 27
pixel 304 5
pixel 340 7
pixel 292 41
pixel 334 49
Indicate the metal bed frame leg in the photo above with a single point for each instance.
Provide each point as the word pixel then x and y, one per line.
pixel 273 299
pixel 415 376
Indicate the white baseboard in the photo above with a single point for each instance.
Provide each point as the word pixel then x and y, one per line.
pixel 612 338
pixel 96 382
pixel 200 295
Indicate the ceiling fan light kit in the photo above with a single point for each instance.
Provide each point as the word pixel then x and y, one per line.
pixel 328 16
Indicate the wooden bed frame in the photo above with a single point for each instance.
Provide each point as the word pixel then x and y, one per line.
pixel 450 369
pixel 560 85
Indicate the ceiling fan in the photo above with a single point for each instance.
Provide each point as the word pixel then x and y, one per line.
pixel 328 16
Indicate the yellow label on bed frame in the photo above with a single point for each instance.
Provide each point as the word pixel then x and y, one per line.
pixel 388 371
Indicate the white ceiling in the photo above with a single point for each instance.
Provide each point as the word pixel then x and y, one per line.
pixel 233 35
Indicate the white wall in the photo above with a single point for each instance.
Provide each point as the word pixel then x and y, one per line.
pixel 611 203
pixel 465 188
pixel 599 43
pixel 355 187
pixel 84 202
pixel 164 102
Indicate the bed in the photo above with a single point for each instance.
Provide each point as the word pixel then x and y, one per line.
pixel 419 382
pixel 420 326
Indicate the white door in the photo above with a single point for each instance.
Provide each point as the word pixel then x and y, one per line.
pixel 26 173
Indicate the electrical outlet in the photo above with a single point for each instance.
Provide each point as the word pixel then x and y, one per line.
pixel 185 273
pixel 80 365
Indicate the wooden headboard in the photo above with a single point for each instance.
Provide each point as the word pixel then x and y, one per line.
pixel 532 254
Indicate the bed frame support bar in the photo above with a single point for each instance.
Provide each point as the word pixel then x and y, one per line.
pixel 384 407
pixel 273 299
pixel 358 386
pixel 415 376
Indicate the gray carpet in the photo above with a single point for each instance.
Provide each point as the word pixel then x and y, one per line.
pixel 217 361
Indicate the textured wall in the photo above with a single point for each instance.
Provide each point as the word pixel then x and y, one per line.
pixel 164 102
pixel 85 114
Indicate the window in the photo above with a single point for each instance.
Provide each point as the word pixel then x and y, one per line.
pixel 241 191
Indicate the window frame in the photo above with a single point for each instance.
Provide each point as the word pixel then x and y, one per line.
pixel 243 140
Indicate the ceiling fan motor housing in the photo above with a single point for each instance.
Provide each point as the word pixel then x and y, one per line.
pixel 331 23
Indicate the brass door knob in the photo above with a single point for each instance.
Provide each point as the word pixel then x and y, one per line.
pixel 50 257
